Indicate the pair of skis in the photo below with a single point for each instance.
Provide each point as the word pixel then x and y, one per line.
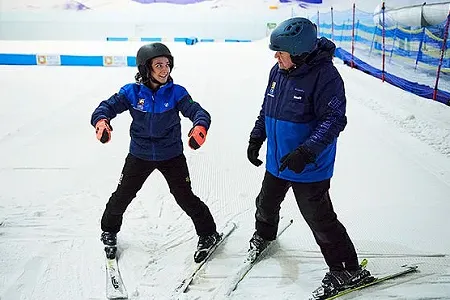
pixel 115 288
pixel 231 283
pixel 248 263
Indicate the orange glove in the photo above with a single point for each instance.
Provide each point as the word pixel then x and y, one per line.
pixel 197 136
pixel 103 130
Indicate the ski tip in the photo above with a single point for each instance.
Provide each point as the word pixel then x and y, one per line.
pixel 364 263
pixel 291 221
pixel 411 267
pixel 230 223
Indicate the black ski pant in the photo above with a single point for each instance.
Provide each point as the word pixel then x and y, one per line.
pixel 175 171
pixel 313 200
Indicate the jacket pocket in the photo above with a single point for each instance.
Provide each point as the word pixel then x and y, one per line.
pixel 140 126
pixel 297 106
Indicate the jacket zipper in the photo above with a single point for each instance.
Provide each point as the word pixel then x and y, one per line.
pixel 277 105
pixel 152 145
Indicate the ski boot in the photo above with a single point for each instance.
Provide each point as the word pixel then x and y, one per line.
pixel 257 245
pixel 337 281
pixel 109 239
pixel 204 246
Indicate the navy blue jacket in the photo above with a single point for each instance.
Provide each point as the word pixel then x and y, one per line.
pixel 305 106
pixel 155 130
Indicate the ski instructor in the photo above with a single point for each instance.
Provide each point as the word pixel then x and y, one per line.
pixel 154 103
pixel 301 117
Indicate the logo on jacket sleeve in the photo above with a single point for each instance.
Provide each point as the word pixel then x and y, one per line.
pixel 337 105
pixel 271 92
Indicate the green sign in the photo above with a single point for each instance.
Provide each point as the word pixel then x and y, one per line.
pixel 271 25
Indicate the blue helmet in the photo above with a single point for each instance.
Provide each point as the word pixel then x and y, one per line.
pixel 295 36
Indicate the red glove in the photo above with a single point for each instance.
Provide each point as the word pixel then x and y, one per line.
pixel 197 136
pixel 103 130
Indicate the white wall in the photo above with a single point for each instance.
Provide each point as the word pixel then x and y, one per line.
pixel 172 21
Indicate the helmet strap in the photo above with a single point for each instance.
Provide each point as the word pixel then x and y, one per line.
pixel 143 74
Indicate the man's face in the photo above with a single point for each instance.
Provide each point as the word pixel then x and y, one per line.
pixel 284 60
pixel 160 69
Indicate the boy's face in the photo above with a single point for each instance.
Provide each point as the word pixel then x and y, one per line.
pixel 284 60
pixel 160 69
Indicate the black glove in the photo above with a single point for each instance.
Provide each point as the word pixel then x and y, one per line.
pixel 297 159
pixel 254 145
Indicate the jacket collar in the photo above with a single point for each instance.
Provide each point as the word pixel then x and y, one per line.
pixel 323 53
pixel 162 88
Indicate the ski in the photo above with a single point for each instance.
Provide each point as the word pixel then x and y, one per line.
pixel 406 269
pixel 232 282
pixel 226 231
pixel 115 288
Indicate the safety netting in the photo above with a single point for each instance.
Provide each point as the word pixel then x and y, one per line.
pixel 412 58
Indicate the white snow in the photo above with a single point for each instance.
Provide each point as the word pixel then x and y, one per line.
pixel 391 186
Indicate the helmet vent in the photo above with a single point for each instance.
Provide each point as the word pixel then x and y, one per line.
pixel 292 29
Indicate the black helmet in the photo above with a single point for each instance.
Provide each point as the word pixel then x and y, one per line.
pixel 150 51
pixel 294 36
pixel 145 54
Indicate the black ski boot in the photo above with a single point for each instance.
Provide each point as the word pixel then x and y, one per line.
pixel 109 239
pixel 257 245
pixel 205 244
pixel 337 281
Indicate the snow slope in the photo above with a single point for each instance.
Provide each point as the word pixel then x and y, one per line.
pixel 390 187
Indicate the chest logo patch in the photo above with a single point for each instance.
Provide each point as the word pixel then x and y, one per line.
pixel 298 94
pixel 140 104
pixel 272 89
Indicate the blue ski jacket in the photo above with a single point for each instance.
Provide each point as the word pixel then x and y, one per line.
pixel 155 129
pixel 305 106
